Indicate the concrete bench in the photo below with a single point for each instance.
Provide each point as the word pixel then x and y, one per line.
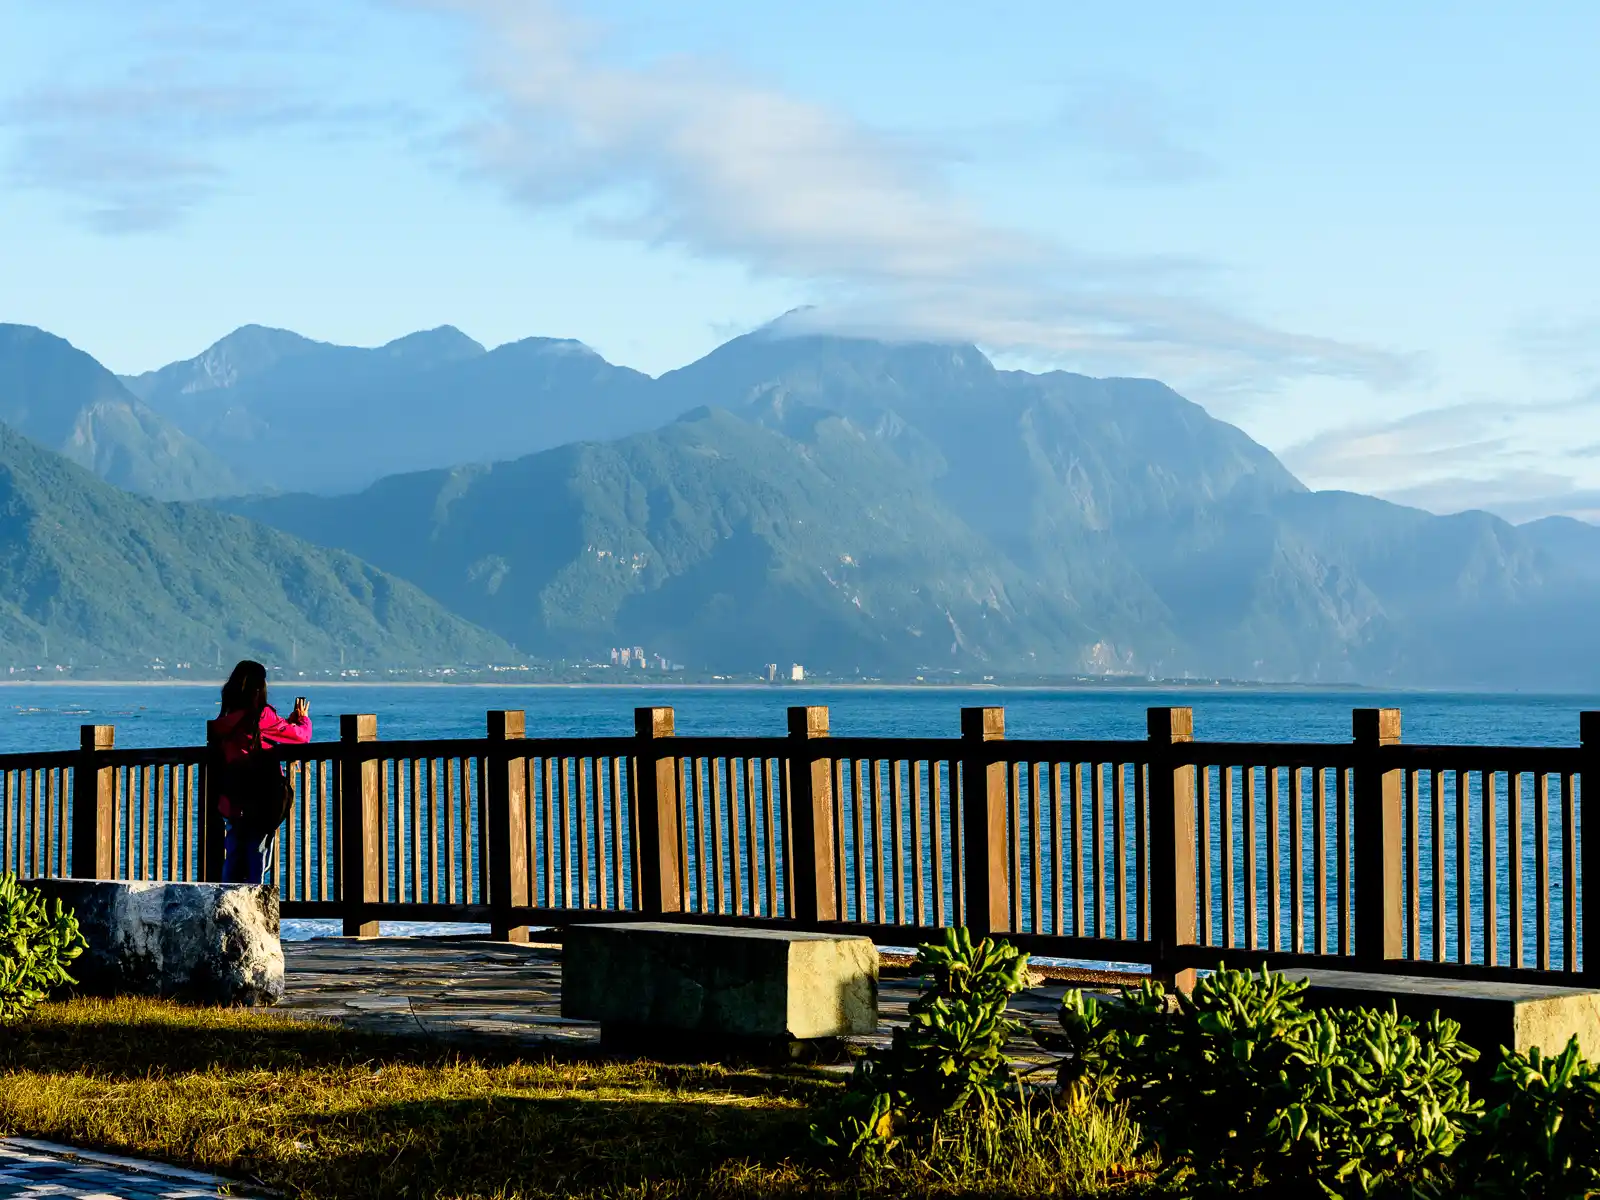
pixel 203 943
pixel 642 980
pixel 1515 1015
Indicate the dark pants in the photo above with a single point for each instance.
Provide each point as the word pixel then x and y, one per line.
pixel 245 854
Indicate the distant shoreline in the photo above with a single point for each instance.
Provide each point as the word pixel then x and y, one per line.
pixel 281 685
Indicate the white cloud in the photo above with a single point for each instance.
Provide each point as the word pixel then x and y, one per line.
pixel 688 153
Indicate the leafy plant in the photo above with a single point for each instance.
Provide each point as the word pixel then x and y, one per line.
pixel 37 941
pixel 949 1057
pixel 1543 1139
pixel 1240 1087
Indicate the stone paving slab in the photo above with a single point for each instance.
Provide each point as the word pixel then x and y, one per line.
pixel 486 992
pixel 30 1169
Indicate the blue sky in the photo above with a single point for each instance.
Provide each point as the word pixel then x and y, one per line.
pixel 1365 233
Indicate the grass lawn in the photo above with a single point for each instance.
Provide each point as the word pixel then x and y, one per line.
pixel 317 1111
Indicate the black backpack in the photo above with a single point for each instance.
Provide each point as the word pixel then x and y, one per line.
pixel 262 795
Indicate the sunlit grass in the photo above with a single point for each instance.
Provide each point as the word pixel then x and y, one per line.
pixel 318 1111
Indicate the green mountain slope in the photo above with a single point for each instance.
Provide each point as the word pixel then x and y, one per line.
pixel 94 575
pixel 714 541
pixel 65 400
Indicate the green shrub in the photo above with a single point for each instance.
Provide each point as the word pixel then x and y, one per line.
pixel 37 941
pixel 950 1056
pixel 1542 1140
pixel 1240 1087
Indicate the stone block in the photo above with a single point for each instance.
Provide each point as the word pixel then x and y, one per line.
pixel 203 943
pixel 1515 1015
pixel 743 983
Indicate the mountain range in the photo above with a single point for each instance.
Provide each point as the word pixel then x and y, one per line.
pixel 856 505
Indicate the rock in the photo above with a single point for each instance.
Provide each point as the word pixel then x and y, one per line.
pixel 1518 1016
pixel 204 943
pixel 746 983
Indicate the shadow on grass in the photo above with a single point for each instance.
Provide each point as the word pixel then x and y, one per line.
pixel 520 1146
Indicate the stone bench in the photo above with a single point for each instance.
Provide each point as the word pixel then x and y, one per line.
pixel 662 982
pixel 1515 1015
pixel 203 943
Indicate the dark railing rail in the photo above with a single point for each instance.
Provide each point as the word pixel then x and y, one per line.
pixel 1369 855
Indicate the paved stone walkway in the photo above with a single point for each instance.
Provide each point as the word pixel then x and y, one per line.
pixel 38 1169
pixel 465 991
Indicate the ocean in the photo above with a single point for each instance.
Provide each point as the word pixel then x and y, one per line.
pixel 47 716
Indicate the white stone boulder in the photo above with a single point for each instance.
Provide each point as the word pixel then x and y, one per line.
pixel 202 943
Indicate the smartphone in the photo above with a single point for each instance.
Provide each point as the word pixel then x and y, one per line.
pixel 302 702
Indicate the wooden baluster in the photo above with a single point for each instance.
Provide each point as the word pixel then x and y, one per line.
pixel 1076 800
pixel 1569 870
pixel 1014 887
pixel 1207 930
pixel 1230 933
pixel 1342 839
pixel 943 817
pixel 1491 873
pixel 1514 846
pixel 858 804
pixel 897 835
pixel 1274 863
pixel 1252 912
pixel 1541 868
pixel 583 832
pixel 617 839
pixel 1589 739
pixel 919 875
pixel 770 827
pixel 506 800
pixel 1463 868
pixel 730 772
pixel 1098 848
pixel 1297 886
pixel 752 854
pixel 1141 866
pixel 602 890
pixel 1440 877
pixel 566 823
pixel 1036 843
pixel 1119 845
pixel 1319 930
pixel 1058 845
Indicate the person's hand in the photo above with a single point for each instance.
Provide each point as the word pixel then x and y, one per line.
pixel 302 709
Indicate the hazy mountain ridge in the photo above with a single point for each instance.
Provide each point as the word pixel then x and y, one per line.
pixel 60 397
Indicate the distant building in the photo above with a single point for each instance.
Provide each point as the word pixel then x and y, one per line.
pixel 615 656
pixel 772 672
pixel 638 656
pixel 797 673
pixel 625 655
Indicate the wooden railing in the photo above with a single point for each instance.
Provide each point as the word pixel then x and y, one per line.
pixel 1371 854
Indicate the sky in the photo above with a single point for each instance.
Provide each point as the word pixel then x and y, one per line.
pixel 1364 233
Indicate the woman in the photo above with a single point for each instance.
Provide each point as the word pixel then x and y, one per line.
pixel 249 725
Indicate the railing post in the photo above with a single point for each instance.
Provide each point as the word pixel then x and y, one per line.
pixel 812 854
pixel 211 830
pixel 361 850
pixel 1589 845
pixel 986 906
pixel 1172 844
pixel 1378 886
pixel 507 852
pixel 659 887
pixel 94 809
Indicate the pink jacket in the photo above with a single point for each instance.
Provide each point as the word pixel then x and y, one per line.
pixel 236 733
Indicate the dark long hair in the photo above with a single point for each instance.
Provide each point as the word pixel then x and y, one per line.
pixel 246 689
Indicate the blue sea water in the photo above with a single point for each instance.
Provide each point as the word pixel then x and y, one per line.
pixel 47 716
